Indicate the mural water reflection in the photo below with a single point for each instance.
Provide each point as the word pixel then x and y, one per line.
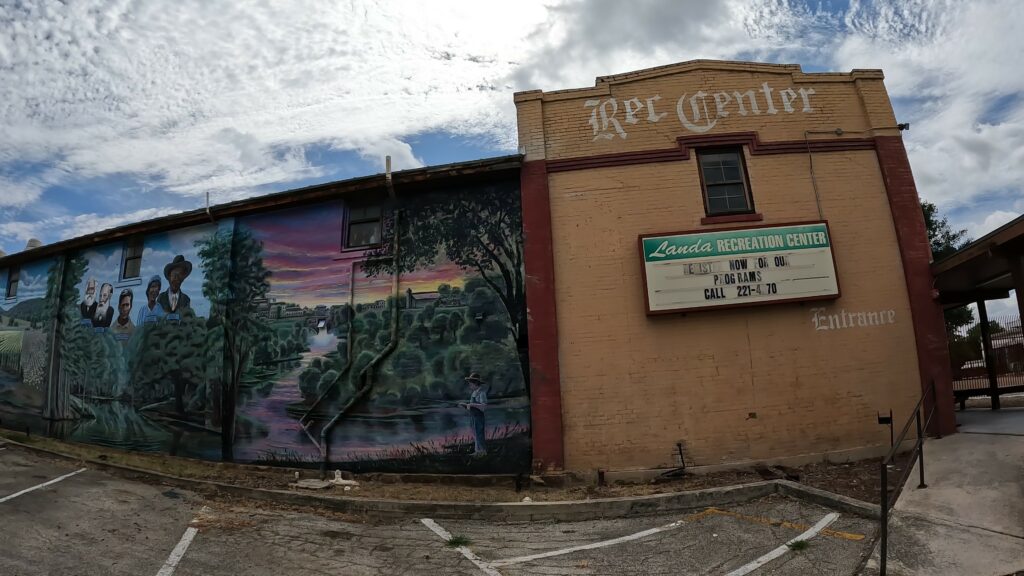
pixel 263 340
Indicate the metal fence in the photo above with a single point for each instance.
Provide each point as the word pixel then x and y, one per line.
pixel 921 419
pixel 967 355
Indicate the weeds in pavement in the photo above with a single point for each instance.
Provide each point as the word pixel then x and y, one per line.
pixel 798 545
pixel 456 541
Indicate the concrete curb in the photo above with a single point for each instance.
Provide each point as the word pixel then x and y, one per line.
pixel 576 510
pixel 828 499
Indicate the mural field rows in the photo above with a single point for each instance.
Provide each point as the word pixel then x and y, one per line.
pixel 266 339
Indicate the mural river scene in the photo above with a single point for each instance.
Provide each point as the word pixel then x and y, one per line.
pixel 261 339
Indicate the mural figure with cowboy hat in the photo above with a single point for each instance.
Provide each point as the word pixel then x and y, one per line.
pixel 173 300
pixel 476 406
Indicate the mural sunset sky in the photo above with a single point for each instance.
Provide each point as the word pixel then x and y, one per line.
pixel 301 248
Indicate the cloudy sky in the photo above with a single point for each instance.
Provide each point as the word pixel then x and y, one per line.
pixel 121 110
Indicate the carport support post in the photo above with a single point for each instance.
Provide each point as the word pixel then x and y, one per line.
pixel 986 345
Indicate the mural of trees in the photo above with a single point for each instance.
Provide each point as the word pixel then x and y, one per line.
pixel 235 279
pixel 478 229
pixel 168 359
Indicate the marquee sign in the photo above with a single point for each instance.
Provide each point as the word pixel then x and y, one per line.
pixel 750 266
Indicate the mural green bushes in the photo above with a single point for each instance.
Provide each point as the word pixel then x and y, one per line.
pixel 261 339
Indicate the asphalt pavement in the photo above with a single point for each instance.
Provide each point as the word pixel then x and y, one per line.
pixel 58 518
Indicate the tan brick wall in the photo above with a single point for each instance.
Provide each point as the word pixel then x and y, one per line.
pixel 632 385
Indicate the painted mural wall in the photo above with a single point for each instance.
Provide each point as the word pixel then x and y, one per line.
pixel 269 339
pixel 25 336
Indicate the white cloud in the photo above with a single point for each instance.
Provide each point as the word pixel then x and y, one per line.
pixel 224 96
pixel 195 96
pixel 61 227
pixel 18 193
pixel 955 63
pixel 989 223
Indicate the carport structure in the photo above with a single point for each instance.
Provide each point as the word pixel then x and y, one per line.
pixel 986 269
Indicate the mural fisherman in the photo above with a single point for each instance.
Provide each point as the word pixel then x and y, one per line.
pixel 476 406
pixel 173 300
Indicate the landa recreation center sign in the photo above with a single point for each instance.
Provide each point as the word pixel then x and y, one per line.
pixel 738 267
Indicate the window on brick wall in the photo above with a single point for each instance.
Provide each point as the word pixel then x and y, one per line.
pixel 724 181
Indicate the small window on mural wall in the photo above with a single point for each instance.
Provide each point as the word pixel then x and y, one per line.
pixel 132 265
pixel 12 282
pixel 726 190
pixel 364 227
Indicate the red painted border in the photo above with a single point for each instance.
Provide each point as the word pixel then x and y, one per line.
pixel 682 153
pixel 643 271
pixel 758 148
pixel 542 324
pixel 915 252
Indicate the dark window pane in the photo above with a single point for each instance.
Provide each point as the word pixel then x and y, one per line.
pixel 717 205
pixel 727 198
pixel 12 282
pixel 363 234
pixel 720 167
pixel 132 267
pixel 724 184
pixel 134 249
pixel 132 264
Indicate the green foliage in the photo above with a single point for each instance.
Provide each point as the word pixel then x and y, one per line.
pixel 943 239
pixel 439 326
pixel 93 363
pixel 490 329
pixel 974 334
pixel 168 359
pixel 455 321
pixel 798 545
pixel 437 366
pixel 234 280
pixel 456 541
pixel 480 230
pixel 418 335
pixel 483 304
pixel 309 381
pixel 426 315
pixel 362 360
pixel 327 379
pixel 407 362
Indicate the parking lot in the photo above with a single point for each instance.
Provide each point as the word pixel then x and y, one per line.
pixel 59 518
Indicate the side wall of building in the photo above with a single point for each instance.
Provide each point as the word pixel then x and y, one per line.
pixel 269 338
pixel 727 385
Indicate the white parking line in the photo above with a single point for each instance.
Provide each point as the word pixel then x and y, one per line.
pixel 446 536
pixel 591 546
pixel 178 552
pixel 810 533
pixel 43 485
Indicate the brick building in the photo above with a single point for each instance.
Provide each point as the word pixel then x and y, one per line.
pixel 746 342
pixel 723 260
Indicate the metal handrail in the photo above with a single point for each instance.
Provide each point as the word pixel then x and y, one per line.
pixel 917 452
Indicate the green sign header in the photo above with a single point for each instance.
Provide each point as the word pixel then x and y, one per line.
pixel 735 242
